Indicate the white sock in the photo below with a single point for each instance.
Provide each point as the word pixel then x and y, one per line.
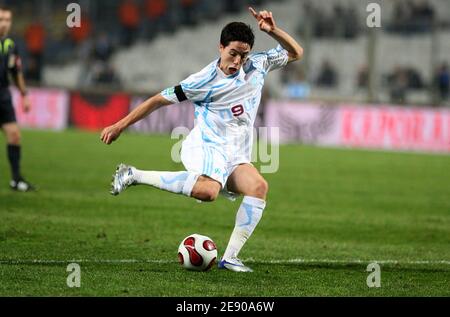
pixel 247 217
pixel 175 182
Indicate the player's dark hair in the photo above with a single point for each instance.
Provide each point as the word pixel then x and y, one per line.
pixel 237 31
pixel 4 7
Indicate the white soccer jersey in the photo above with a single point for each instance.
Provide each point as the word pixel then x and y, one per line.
pixel 226 106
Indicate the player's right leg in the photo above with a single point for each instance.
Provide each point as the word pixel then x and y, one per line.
pixel 245 180
pixel 11 130
pixel 203 178
pixel 176 182
pixel 187 183
pixel 13 149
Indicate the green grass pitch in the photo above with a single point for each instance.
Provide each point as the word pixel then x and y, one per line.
pixel 327 209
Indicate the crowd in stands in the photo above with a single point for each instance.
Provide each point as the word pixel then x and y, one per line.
pixel 408 17
pixel 399 82
pixel 106 25
pixel 412 16
pixel 442 82
pixel 122 23
pixel 341 22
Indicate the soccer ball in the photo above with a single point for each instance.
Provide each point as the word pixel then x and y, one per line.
pixel 197 252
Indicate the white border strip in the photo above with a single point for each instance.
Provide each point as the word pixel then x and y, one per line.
pixel 250 260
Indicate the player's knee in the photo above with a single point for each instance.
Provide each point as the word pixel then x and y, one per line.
pixel 207 194
pixel 207 191
pixel 211 194
pixel 261 188
pixel 14 137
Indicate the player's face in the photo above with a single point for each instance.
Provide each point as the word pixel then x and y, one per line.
pixel 233 56
pixel 5 22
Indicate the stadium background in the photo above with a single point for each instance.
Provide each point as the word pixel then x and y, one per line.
pixel 126 50
pixel 357 87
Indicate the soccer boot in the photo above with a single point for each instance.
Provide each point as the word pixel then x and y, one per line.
pixel 122 179
pixel 21 186
pixel 233 264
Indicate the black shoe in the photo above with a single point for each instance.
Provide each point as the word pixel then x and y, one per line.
pixel 21 186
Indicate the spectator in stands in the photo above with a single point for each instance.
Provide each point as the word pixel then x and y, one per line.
pixel 297 86
pixel 233 6
pixel 103 47
pixel 97 68
pixel 442 81
pixel 401 16
pixel 398 83
pixel 129 18
pixel 304 22
pixel 423 15
pixel 211 10
pixel 410 17
pixel 35 42
pixel 156 17
pixel 322 25
pixel 414 79
pixel 362 78
pixel 262 110
pixel 351 23
pixel 338 19
pixel 408 76
pixel 341 23
pixel 188 12
pixel 104 74
pixel 287 74
pixel 78 35
pixel 327 75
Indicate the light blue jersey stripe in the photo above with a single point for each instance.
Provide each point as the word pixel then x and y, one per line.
pixel 203 82
pixel 205 159
pixel 181 177
pixel 211 160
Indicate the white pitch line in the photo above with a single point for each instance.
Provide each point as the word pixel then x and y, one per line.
pixel 354 261
pixel 250 260
pixel 99 261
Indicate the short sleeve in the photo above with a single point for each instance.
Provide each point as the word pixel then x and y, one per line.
pixel 193 88
pixel 14 60
pixel 169 94
pixel 271 59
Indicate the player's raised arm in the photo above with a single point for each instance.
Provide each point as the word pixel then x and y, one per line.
pixel 266 23
pixel 111 133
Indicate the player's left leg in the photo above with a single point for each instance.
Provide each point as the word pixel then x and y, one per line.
pixel 245 180
pixel 13 138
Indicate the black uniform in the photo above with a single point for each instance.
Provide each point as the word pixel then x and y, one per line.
pixel 10 64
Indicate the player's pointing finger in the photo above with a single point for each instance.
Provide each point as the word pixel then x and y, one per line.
pixel 253 12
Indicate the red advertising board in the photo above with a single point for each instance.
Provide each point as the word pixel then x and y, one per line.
pixel 94 112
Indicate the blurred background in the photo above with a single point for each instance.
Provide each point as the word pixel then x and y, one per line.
pixel 139 47
pixel 383 92
pixel 136 45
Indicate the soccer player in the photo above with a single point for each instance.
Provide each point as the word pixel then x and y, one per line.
pixel 10 64
pixel 217 152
